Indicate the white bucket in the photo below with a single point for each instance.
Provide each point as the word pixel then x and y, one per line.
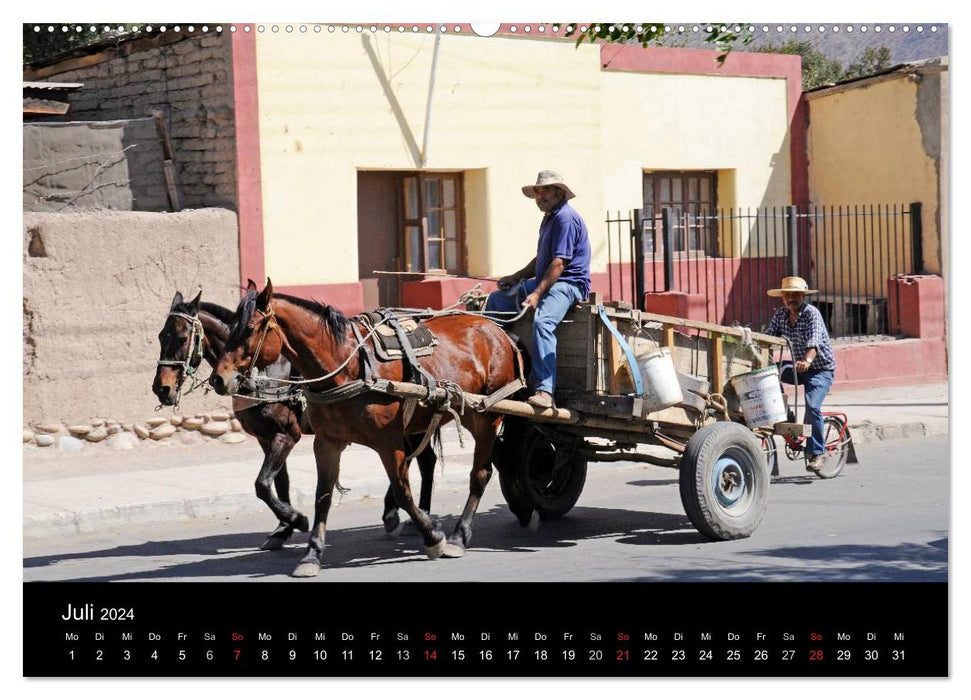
pixel 661 386
pixel 760 396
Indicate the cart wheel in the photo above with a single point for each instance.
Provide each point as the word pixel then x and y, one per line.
pixel 724 481
pixel 505 457
pixel 837 445
pixel 552 477
pixel 771 454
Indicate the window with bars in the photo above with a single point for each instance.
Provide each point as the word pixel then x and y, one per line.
pixel 692 198
pixel 431 222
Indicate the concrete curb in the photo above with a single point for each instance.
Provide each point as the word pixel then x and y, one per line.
pixel 99 519
pixel 370 485
pixel 866 432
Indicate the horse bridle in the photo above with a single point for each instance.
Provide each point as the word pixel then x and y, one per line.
pixel 193 357
pixel 269 321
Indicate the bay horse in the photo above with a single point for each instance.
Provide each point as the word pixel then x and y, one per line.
pixel 473 353
pixel 195 331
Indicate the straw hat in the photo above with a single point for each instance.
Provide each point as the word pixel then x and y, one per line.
pixel 546 178
pixel 792 284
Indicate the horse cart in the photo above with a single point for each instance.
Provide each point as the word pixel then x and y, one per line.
pixel 607 410
pixel 614 398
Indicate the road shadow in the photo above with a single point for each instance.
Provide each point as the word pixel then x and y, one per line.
pixel 904 562
pixel 653 482
pixel 801 480
pixel 496 530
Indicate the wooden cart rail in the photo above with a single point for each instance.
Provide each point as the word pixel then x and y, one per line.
pixel 644 430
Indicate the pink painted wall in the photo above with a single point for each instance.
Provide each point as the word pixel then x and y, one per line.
pixel 734 289
pixel 890 363
pixel 916 306
pixel 249 182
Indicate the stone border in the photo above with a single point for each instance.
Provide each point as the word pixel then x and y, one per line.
pixel 216 425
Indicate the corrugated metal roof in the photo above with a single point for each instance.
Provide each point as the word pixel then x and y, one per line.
pixel 928 65
pixel 53 86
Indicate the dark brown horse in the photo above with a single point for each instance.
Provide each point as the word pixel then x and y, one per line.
pixel 473 353
pixel 198 330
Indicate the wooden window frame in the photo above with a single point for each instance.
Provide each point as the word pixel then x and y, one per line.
pixel 422 222
pixel 685 203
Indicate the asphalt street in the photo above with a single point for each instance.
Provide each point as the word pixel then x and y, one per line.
pixel 886 519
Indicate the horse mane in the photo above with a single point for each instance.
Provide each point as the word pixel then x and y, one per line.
pixel 220 312
pixel 331 318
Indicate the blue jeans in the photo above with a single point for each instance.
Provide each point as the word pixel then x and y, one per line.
pixel 553 305
pixel 816 385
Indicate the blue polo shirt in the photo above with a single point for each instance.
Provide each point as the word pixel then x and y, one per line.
pixel 562 234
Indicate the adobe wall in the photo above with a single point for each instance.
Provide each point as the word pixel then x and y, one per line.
pixel 97 288
pixel 880 143
pixel 190 79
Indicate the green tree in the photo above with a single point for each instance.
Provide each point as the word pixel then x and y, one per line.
pixel 817 68
pixel 872 61
pixel 53 40
pixel 725 36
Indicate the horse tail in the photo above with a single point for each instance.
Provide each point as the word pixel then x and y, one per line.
pixel 437 447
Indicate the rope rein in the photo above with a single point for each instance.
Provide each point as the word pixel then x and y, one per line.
pixel 453 402
pixel 448 311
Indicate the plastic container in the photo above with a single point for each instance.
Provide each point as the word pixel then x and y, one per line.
pixel 661 386
pixel 760 397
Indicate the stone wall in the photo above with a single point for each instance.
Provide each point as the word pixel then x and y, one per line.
pixel 97 289
pixel 189 78
pixel 72 166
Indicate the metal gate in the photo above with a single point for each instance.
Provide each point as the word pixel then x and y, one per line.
pixel 731 257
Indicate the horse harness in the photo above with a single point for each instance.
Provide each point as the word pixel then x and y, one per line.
pixel 193 357
pixel 402 338
pixel 190 365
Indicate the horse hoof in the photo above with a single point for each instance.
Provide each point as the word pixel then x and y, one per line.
pixel 436 550
pixel 306 569
pixel 453 551
pixel 302 524
pixel 392 524
pixel 273 542
pixel 533 521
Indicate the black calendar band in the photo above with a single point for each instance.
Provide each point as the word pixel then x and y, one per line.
pixel 477 629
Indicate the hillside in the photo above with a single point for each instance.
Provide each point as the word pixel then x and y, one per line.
pixel 845 47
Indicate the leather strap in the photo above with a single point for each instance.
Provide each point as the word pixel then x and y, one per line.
pixel 631 360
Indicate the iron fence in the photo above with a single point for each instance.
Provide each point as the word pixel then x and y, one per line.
pixel 727 259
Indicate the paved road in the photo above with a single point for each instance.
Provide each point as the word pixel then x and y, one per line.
pixel 884 520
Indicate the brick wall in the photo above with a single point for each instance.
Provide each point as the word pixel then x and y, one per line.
pixel 188 78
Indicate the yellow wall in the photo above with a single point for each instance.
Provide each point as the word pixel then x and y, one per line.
pixel 865 147
pixel 734 125
pixel 503 108
pixel 685 122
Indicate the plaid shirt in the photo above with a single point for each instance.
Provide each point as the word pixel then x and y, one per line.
pixel 809 332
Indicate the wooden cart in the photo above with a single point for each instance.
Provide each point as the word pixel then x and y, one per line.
pixel 542 455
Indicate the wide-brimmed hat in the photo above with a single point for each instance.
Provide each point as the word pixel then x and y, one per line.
pixel 547 178
pixel 792 284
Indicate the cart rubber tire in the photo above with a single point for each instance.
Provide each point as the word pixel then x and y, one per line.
pixel 724 481
pixel 771 454
pixel 835 459
pixel 552 479
pixel 505 457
